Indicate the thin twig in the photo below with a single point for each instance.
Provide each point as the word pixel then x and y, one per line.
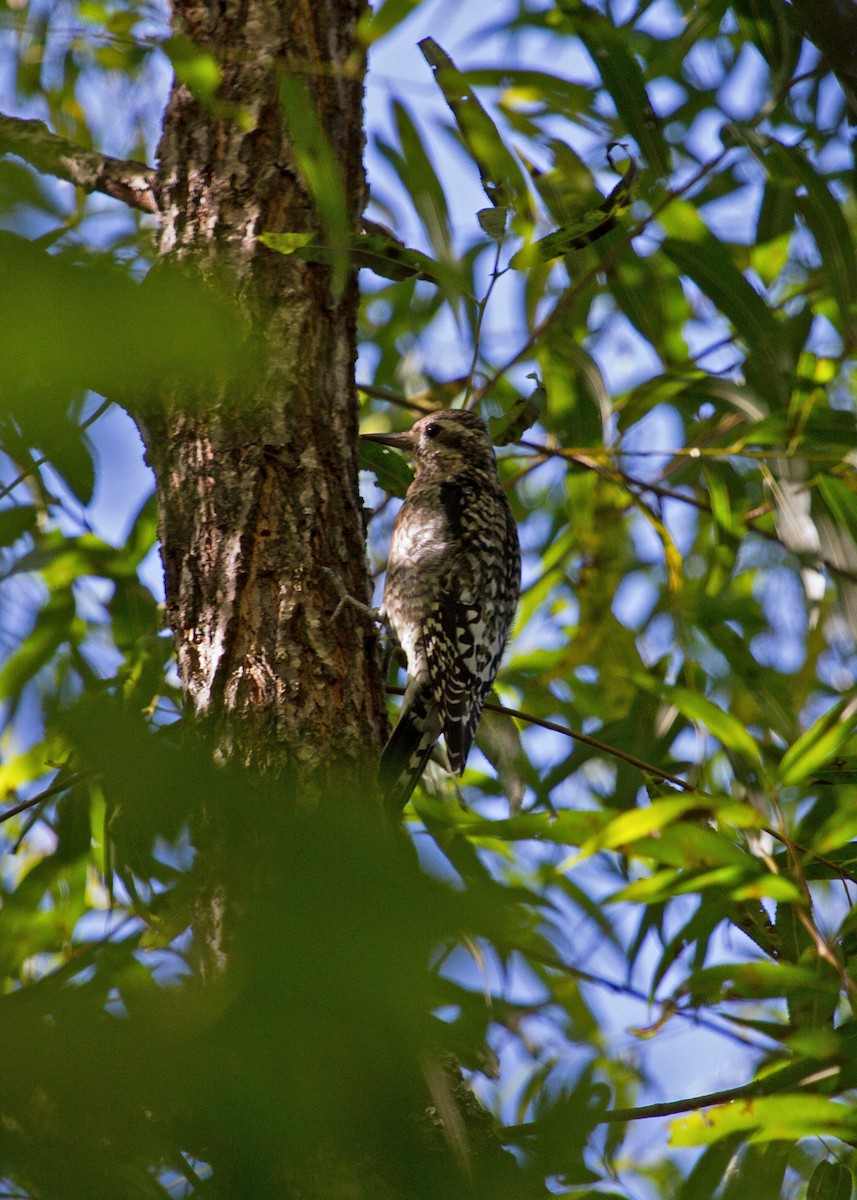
pixel 54 790
pixel 480 317
pixel 611 751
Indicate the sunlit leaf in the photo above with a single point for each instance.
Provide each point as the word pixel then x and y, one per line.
pixel 723 725
pixel 766 1118
pixel 818 744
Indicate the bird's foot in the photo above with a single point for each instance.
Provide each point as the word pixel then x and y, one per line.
pixel 346 599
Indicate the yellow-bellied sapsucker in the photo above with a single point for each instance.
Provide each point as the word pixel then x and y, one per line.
pixel 453 579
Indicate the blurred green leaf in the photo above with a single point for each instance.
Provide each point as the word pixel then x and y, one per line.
pixel 830 1181
pixel 196 68
pixel 321 171
pixel 767 1118
pixel 15 521
pixel 818 744
pixel 70 326
pixel 758 1171
pixel 377 22
pixel 822 211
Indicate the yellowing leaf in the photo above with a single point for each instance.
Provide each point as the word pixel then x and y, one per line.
pixel 767 1118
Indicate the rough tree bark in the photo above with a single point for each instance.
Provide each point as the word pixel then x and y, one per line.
pixel 257 484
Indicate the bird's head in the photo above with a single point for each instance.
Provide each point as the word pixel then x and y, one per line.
pixel 444 443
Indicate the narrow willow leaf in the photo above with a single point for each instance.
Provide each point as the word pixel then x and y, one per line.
pixel 824 216
pixel 54 627
pixel 379 252
pixel 624 80
pixel 818 744
pixel 629 826
pixel 830 1181
pixel 709 265
pixel 756 981
pixel 766 24
pixel 377 22
pixel 841 500
pixel 728 730
pixel 514 423
pixel 502 178
pixel 419 176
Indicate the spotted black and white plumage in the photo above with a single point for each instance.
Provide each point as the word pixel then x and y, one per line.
pixel 453 579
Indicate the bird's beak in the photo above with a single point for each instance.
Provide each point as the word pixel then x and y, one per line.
pixel 399 441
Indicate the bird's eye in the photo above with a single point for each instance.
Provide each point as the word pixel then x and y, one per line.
pixel 432 430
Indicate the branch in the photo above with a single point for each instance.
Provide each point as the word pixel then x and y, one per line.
pixel 131 182
pixel 779 1082
pixel 62 785
pixel 646 767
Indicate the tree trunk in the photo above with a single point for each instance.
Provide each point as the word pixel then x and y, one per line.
pixel 261 520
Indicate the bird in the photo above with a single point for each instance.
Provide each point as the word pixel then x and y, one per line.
pixel 451 590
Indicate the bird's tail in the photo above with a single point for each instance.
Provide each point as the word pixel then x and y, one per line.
pixel 409 748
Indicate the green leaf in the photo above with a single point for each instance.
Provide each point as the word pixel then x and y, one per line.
pixel 823 213
pixel 380 252
pixel 841 501
pixel 499 171
pixel 830 1181
pixel 198 70
pixel 624 80
pixel 54 626
pixel 578 398
pixel 708 264
pixel 68 326
pixel 390 468
pixel 758 1171
pixel 710 1169
pixel 15 521
pixel 628 827
pixel 377 22
pixel 767 1118
pixel 648 291
pixel 756 980
pixel 419 176
pixel 286 243
pixel 728 729
pixel 766 24
pixel 517 419
pixel 321 172
pixel 818 744
pixel 493 221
